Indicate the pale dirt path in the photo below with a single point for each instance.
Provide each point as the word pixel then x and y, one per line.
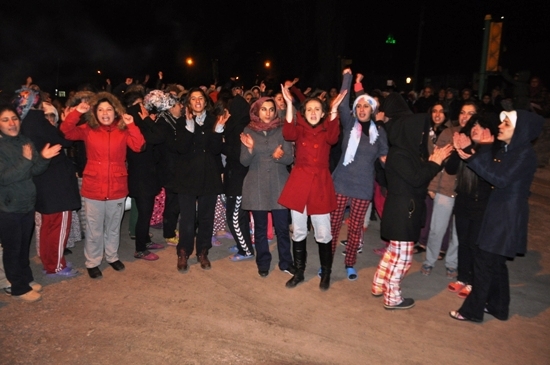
pixel 151 314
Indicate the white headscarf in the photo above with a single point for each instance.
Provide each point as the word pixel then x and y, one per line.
pixel 357 130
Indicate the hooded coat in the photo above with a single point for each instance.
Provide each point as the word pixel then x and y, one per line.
pixel 105 176
pixel 510 171
pixel 56 188
pixel 408 175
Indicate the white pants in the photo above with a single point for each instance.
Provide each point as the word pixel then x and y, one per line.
pixel 321 226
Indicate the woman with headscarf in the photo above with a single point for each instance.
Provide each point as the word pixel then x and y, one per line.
pixel 503 232
pixel 363 143
pixel 267 155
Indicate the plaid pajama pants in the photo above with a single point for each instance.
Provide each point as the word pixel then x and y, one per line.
pixel 392 268
pixel 358 209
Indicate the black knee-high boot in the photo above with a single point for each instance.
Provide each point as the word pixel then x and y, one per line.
pixel 325 257
pixel 300 258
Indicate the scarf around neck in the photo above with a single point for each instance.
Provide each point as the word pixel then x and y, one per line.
pixel 355 138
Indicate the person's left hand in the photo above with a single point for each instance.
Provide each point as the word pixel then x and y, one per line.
pixel 278 153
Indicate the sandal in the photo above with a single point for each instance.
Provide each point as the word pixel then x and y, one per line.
pixel 238 257
pixel 460 317
pixel 215 242
pixel 233 249
pixel 465 292
pixel 426 270
pixel 352 274
pixel 419 249
pixel 456 286
pixel 451 273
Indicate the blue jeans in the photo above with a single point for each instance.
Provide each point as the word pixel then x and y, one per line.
pixel 280 222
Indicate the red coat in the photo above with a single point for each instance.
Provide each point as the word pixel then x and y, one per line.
pixel 105 176
pixel 310 182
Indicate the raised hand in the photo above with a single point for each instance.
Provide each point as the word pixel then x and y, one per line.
pixel 27 151
pixel 347 70
pixel 50 151
pixel 127 119
pixel 461 141
pixel 222 119
pixel 188 114
pixel 337 100
pixel 358 78
pixel 247 140
pixel 286 94
pixel 486 137
pixel 83 107
pixel 278 153
pixel 440 154
pixel 144 113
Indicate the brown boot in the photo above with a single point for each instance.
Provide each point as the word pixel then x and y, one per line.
pixel 202 257
pixel 182 261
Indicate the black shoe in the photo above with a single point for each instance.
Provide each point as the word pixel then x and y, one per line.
pixel 263 273
pixel 290 270
pixel 296 279
pixel 95 273
pixel 67 252
pixel 117 265
pixel 407 303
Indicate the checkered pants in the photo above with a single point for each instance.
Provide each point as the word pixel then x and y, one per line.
pixel 358 209
pixel 392 268
pixel 219 217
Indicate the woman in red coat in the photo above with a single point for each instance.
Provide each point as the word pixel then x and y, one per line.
pixel 309 189
pixel 107 133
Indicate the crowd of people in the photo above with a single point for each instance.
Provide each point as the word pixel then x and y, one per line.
pixel 448 176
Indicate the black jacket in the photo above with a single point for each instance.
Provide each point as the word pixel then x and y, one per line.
pixel 143 178
pixel 56 188
pixel 408 175
pixel 198 164
pixel 235 172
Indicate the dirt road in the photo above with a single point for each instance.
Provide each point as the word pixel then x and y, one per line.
pixel 151 314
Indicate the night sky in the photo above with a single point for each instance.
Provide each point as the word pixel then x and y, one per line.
pixel 64 43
